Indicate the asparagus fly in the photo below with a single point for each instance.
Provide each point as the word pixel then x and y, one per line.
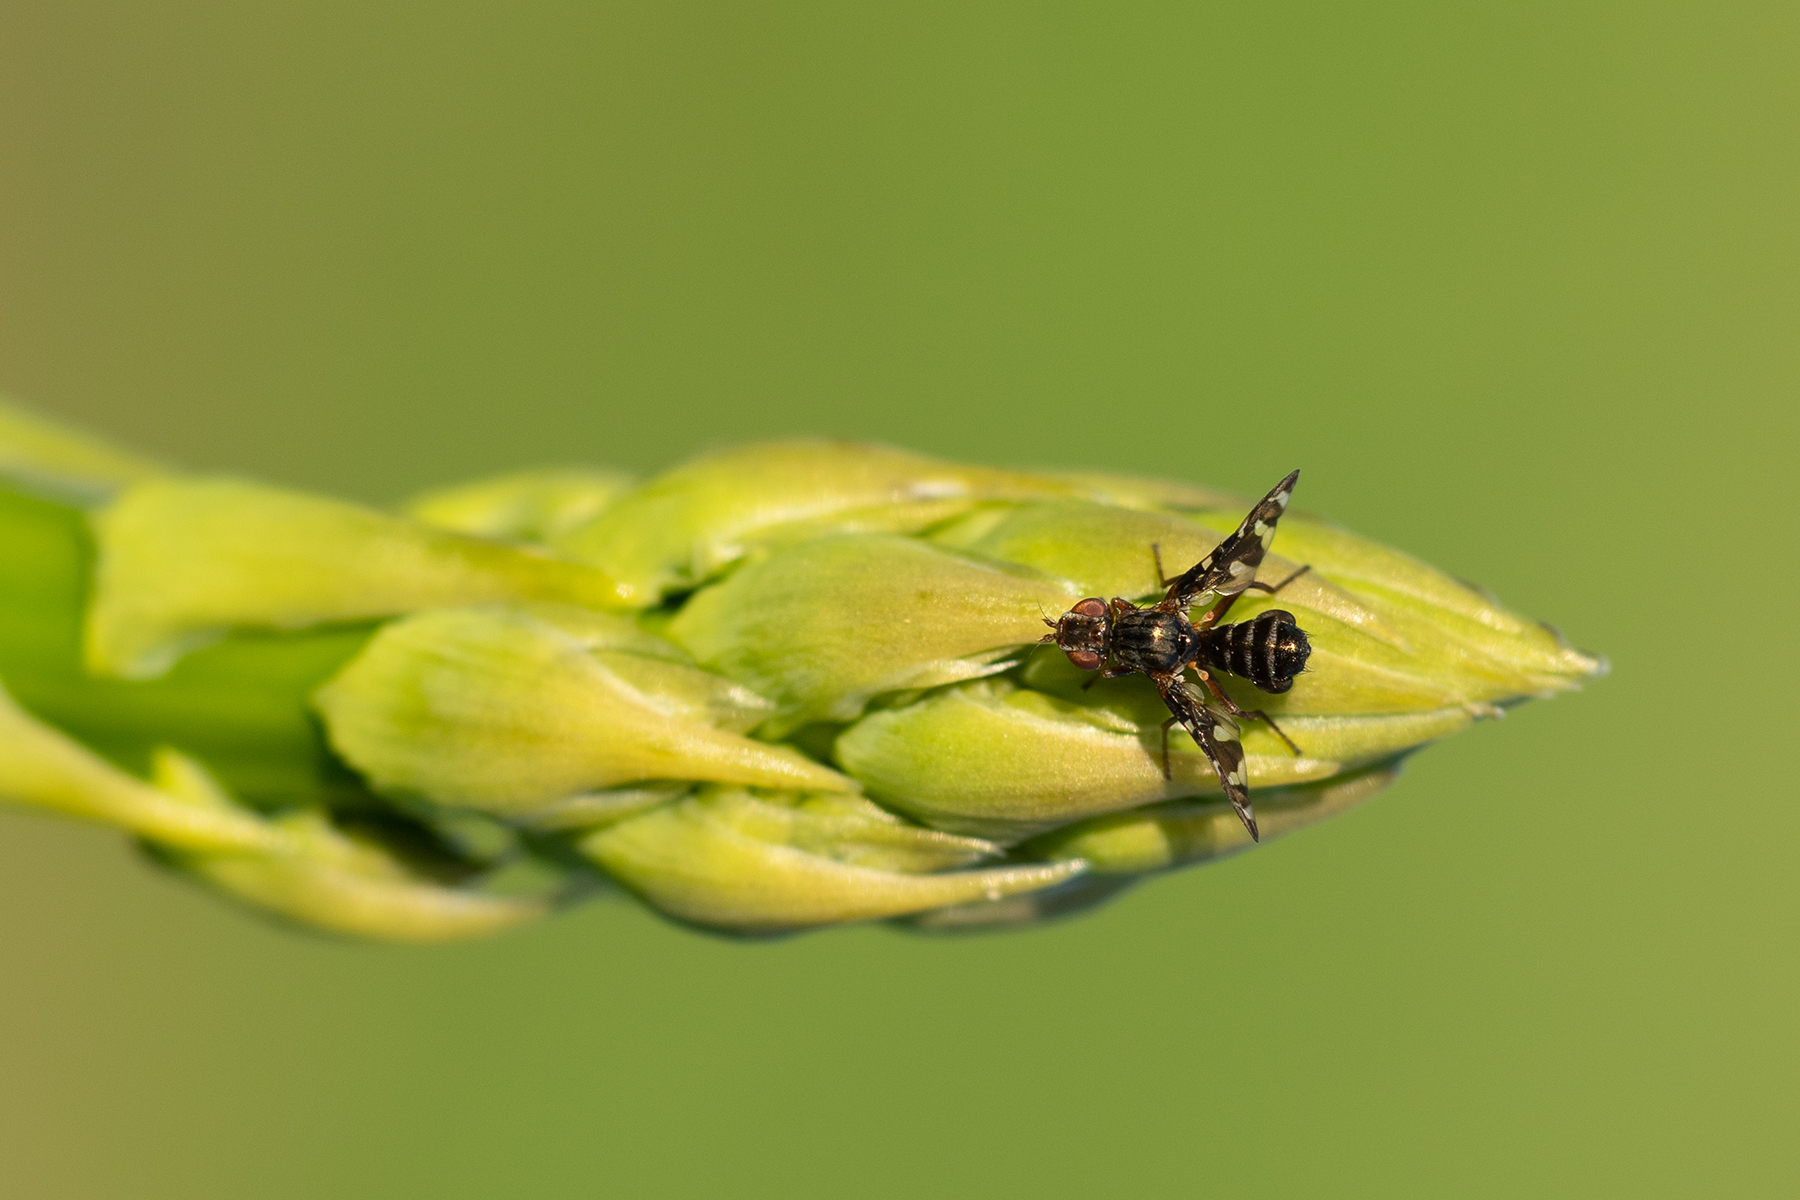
pixel 1119 639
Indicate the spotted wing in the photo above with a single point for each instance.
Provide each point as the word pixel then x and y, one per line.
pixel 1231 567
pixel 1218 738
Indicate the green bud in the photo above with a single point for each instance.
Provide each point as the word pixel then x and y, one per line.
pixel 688 524
pixel 522 506
pixel 42 457
pixel 181 561
pixel 767 863
pixel 825 626
pixel 1006 762
pixel 1181 832
pixel 510 712
pixel 853 603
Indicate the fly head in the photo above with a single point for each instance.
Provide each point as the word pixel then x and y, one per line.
pixel 1081 633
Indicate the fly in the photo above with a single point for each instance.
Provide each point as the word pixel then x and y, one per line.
pixel 1119 638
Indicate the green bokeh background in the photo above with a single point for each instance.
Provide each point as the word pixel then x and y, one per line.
pixel 1517 286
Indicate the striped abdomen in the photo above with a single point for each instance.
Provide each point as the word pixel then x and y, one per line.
pixel 1268 650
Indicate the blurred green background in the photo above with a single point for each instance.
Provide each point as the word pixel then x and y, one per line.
pixel 1517 286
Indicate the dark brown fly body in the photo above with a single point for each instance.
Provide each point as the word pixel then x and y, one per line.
pixel 1119 638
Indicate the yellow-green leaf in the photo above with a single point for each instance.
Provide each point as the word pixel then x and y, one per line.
pixel 42 456
pixel 734 861
pixel 1004 762
pixel 686 525
pixel 525 506
pixel 183 560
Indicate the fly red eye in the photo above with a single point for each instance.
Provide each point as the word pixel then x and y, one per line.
pixel 1087 660
pixel 1093 606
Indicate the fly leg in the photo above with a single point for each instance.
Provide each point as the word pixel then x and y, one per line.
pixel 1107 673
pixel 1216 613
pixel 1225 702
pixel 1263 587
pixel 1167 774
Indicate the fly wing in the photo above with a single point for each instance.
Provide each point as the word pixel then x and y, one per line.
pixel 1231 567
pixel 1217 737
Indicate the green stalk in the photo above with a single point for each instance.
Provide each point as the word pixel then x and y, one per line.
pixel 243 705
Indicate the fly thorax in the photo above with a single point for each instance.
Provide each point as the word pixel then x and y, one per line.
pixel 1151 641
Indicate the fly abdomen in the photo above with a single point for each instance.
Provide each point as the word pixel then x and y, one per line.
pixel 1268 650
